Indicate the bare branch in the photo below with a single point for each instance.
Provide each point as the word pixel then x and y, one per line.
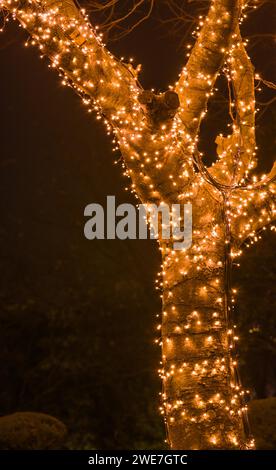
pixel 120 19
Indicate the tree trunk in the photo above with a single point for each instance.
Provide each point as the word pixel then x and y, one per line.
pixel 201 401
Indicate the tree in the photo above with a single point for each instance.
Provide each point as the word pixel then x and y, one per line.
pixel 203 402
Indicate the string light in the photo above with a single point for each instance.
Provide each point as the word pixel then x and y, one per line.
pixel 157 135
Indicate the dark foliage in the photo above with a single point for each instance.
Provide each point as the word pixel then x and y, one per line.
pixel 31 431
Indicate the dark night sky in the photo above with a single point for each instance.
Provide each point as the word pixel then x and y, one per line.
pixel 55 159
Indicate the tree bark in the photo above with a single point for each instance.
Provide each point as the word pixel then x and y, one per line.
pixel 202 401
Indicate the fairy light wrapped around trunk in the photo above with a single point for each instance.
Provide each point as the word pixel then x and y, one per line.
pixel 203 402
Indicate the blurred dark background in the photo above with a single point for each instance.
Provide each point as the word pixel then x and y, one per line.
pixel 77 317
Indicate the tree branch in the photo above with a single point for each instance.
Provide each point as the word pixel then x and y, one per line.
pixel 237 152
pixel 198 77
pixel 64 34
pixel 254 208
pixel 143 130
